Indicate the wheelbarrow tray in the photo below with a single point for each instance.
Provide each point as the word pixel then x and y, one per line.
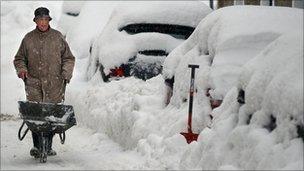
pixel 47 117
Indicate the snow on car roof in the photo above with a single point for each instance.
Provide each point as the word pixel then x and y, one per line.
pixel 228 38
pixel 175 12
pixel 72 6
pixel 114 47
pixel 92 19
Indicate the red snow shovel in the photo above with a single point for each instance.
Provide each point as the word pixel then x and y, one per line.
pixel 190 136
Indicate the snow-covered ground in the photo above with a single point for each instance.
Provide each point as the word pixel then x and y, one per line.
pixel 125 125
pixel 84 149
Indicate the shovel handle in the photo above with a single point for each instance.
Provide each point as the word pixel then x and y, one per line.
pixel 62 137
pixel 193 67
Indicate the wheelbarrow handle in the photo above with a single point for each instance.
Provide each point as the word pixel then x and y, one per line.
pixel 64 89
pixel 19 132
pixel 62 137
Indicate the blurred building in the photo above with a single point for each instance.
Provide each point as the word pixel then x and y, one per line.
pixel 285 3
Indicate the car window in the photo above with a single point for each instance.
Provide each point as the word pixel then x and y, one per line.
pixel 177 31
pixel 72 14
pixel 153 52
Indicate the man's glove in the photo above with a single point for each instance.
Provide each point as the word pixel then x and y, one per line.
pixel 66 81
pixel 22 75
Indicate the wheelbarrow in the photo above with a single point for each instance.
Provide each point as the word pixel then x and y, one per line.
pixel 44 119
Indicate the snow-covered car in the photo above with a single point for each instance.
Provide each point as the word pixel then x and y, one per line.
pixel 139 36
pixel 222 43
pixel 70 13
pixel 251 57
pixel 81 36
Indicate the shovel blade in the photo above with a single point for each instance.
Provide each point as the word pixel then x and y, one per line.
pixel 190 136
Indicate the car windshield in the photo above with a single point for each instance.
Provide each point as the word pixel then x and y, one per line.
pixel 72 14
pixel 177 31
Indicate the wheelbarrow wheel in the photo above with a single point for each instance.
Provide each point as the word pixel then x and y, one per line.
pixel 43 147
pixel 43 157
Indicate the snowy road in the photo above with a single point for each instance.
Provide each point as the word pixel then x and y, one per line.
pixel 83 150
pixel 124 125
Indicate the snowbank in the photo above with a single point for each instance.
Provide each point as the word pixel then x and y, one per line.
pixel 258 54
pixel 264 132
pixel 131 112
pixel 114 47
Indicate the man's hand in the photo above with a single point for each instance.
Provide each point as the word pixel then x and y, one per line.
pixel 66 81
pixel 22 75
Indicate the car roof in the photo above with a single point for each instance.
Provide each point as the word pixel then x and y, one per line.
pixel 188 13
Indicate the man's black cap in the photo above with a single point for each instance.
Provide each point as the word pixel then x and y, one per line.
pixel 42 12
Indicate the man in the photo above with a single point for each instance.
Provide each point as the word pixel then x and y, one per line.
pixel 45 63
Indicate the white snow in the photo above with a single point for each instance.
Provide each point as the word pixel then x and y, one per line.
pixel 113 47
pixel 84 149
pixel 94 15
pixel 178 12
pixel 228 38
pixel 68 20
pixel 72 6
pixel 252 146
pixel 250 48
pixel 124 125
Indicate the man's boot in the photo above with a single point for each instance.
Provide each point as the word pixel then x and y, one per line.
pixel 35 151
pixel 51 152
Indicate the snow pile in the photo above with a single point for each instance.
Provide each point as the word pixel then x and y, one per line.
pixel 114 47
pixel 126 114
pixel 264 132
pixel 69 15
pixel 225 41
pixel 94 15
pixel 16 21
pixel 267 131
pixel 131 112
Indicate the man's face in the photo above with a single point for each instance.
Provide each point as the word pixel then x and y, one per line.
pixel 42 23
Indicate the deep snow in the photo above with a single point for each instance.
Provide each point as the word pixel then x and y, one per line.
pixel 125 125
pixel 114 47
pixel 90 22
pixel 258 54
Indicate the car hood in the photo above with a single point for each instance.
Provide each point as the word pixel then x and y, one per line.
pixel 122 47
